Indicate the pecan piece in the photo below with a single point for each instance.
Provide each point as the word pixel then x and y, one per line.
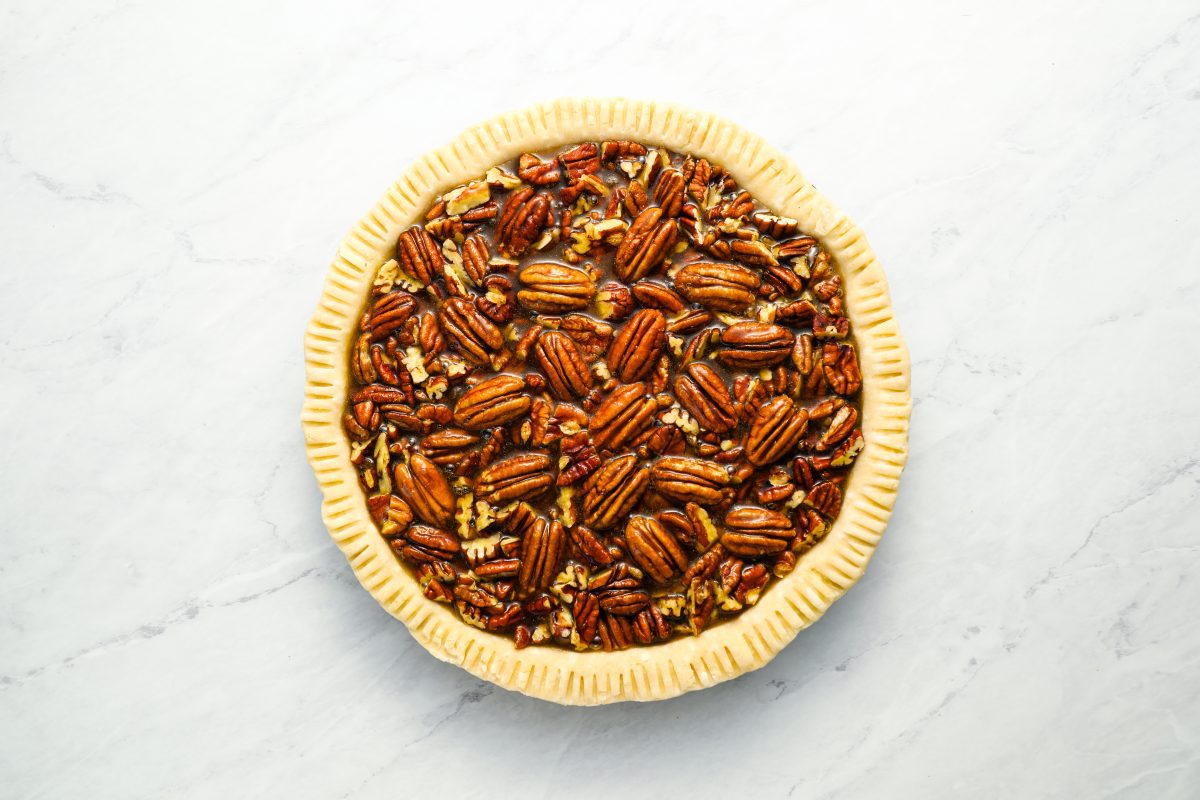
pixel 839 428
pixel 563 366
pixel 475 257
pixel 654 549
pixel 622 417
pixel 581 160
pixel 425 489
pixel 473 334
pixel 638 345
pixel 751 531
pixel 704 395
pixel 646 245
pixel 555 288
pixel 447 447
pixel 825 497
pixel 614 301
pixel 839 363
pixel 655 295
pixel 668 192
pixel 720 287
pixel 496 401
pixel 390 513
pixel 541 552
pixel 689 480
pixel 625 602
pixel 424 544
pixel 751 345
pixel 521 221
pixel 613 490
pixel 592 337
pixel 533 170
pixel 775 431
pixel 520 477
pixel 419 254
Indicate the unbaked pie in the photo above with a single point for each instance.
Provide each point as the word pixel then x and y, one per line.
pixel 606 401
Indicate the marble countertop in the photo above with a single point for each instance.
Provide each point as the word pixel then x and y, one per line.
pixel 174 620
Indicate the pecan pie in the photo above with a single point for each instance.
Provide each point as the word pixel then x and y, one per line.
pixel 604 396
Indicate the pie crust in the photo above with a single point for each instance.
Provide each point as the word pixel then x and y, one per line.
pixel 741 644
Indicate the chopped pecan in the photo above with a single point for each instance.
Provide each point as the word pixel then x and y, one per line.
pixel 533 170
pixel 581 160
pixel 592 337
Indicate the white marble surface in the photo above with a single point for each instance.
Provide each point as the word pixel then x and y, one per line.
pixel 174 621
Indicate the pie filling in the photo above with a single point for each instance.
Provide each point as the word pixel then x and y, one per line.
pixel 602 397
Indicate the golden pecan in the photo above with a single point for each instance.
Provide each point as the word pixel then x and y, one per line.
pixel 775 431
pixel 621 149
pixel 721 287
pixel 825 497
pixel 475 255
pixel 521 221
pixel 655 295
pixel 589 547
pixel 520 477
pixel 654 549
pixel 447 447
pixel 751 251
pixel 668 192
pixel 592 337
pixel 614 301
pixel 638 345
pixel 689 480
pixel 840 426
pixel 704 395
pixel 419 254
pixel 473 334
pixel 613 490
pixel 751 345
pixel 541 552
pixel 646 245
pixel 581 160
pixel 496 401
pixel 623 416
pixel 839 363
pixel 752 531
pixel 424 544
pixel 425 489
pixel 649 626
pixel 390 513
pixel 388 314
pixel 563 366
pixel 555 288
pixel 533 170
pixel 625 602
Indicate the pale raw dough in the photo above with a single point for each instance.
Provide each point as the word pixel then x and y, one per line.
pixel 654 672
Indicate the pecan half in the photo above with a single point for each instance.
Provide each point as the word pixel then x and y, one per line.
pixel 536 172
pixel 752 532
pixel 475 257
pixel 425 489
pixel 720 287
pixel 622 417
pixel 542 551
pixel 751 345
pixel 581 160
pixel 654 549
pixel 840 366
pixel 689 480
pixel 555 288
pixel 612 491
pixel 646 245
pixel 419 254
pixel 563 366
pixel 448 447
pixel 704 395
pixel 775 431
pixel 496 401
pixel 521 477
pixel 638 345
pixel 471 333
pixel 521 222
pixel 668 192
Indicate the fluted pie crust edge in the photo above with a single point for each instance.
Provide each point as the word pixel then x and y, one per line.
pixel 731 648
